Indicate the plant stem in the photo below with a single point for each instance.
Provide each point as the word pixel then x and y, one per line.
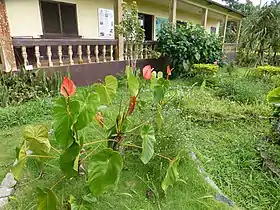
pixel 55 149
pixel 90 153
pixel 60 180
pixel 41 156
pixel 135 146
pixel 135 128
pixel 100 141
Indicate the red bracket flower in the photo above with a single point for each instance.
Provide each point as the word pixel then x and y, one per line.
pixel 68 87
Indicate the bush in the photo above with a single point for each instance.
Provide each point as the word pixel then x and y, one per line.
pixel 17 88
pixel 188 44
pixel 205 69
pixel 265 70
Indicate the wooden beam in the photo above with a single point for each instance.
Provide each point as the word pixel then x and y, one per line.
pixel 211 9
pixel 225 28
pixel 6 48
pixel 172 12
pixel 204 18
pixel 118 18
pixel 238 31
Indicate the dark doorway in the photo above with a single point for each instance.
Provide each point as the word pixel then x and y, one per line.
pixel 147 24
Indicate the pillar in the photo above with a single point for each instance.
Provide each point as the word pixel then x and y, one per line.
pixel 118 18
pixel 6 46
pixel 239 25
pixel 204 18
pixel 225 28
pixel 172 12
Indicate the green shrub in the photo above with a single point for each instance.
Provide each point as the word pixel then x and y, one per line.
pixel 205 69
pixel 17 88
pixel 265 70
pixel 188 44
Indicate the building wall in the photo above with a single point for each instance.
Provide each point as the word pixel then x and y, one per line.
pixel 25 18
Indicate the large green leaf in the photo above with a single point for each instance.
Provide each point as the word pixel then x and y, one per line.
pixel 160 89
pixel 148 136
pixel 172 174
pixel 104 170
pixel 133 83
pixel 21 161
pixel 37 136
pixel 159 118
pixel 107 91
pixel 46 199
pixel 69 160
pixel 64 118
pixel 88 105
pixel 274 96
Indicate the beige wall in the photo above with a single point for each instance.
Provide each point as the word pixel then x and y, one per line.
pixel 25 19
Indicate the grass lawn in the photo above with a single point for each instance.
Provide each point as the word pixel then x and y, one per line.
pixel 223 133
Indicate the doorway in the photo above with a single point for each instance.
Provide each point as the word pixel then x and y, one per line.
pixel 147 24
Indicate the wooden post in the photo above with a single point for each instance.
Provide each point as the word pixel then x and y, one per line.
pixel 204 18
pixel 118 18
pixel 172 12
pixel 225 29
pixel 7 55
pixel 238 31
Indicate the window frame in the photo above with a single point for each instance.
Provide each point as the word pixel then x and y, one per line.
pixel 62 34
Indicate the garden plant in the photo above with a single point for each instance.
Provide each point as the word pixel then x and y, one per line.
pixel 73 112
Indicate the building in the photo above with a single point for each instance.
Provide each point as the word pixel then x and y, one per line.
pixel 39 33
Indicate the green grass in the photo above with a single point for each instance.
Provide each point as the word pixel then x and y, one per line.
pixel 224 134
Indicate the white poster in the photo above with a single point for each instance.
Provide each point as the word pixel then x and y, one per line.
pixel 106 23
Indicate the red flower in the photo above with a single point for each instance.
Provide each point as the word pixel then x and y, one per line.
pixel 68 87
pixel 147 72
pixel 132 105
pixel 168 71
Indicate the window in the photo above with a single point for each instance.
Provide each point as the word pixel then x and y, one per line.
pixel 213 29
pixel 146 22
pixel 59 19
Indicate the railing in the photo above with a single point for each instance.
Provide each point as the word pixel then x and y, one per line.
pixel 141 51
pixel 59 52
pixel 36 53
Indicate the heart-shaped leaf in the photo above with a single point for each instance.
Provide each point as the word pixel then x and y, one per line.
pixel 107 91
pixel 148 136
pixel 88 105
pixel 104 170
pixel 172 174
pixel 21 161
pixel 69 160
pixel 133 83
pixel 64 118
pixel 37 136
pixel 46 199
